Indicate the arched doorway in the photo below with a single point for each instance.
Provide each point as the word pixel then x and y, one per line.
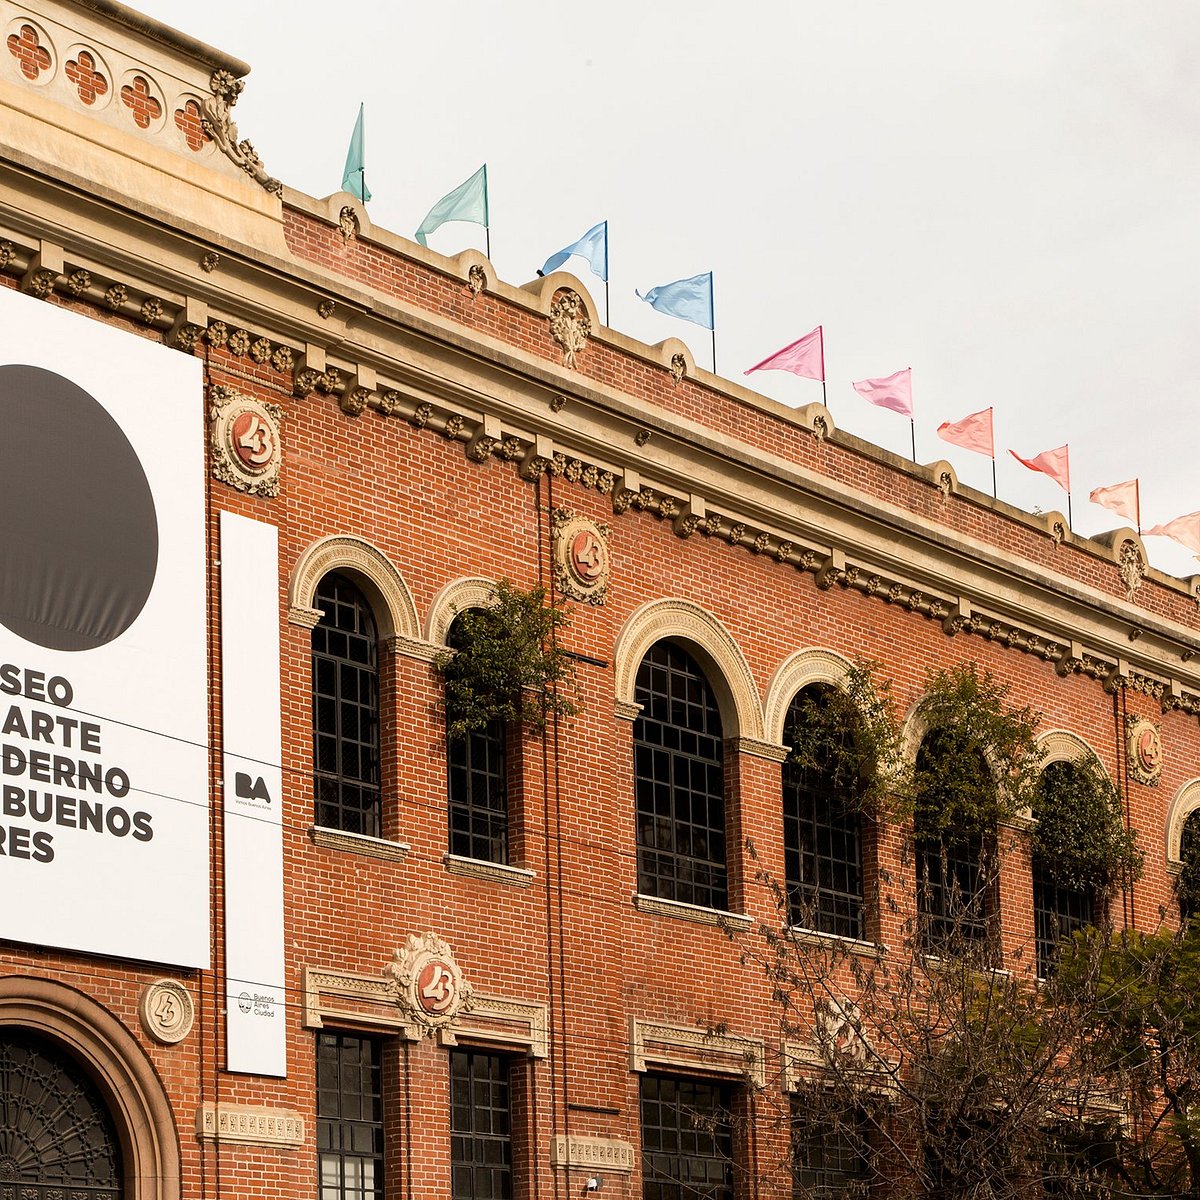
pixel 57 1137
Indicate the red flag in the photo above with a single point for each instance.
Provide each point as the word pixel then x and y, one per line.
pixel 971 433
pixel 1055 463
pixel 1184 530
pixel 893 392
pixel 805 357
pixel 1122 498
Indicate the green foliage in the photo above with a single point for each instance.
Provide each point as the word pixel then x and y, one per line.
pixel 505 664
pixel 979 762
pixel 1080 840
pixel 850 739
pixel 1187 883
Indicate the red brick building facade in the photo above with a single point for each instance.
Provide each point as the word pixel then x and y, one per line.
pixel 438 430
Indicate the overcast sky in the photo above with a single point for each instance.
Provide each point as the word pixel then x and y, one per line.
pixel 1005 198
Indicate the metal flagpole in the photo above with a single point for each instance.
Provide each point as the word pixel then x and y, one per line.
pixel 712 313
pixel 912 423
pixel 994 496
pixel 606 316
pixel 824 393
pixel 487 236
pixel 1070 518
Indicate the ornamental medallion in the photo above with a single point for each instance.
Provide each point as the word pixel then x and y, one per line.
pixel 581 559
pixel 166 1011
pixel 1143 745
pixel 244 439
pixel 430 987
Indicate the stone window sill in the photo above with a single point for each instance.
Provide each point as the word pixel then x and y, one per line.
pixel 478 868
pixel 697 913
pixel 814 937
pixel 358 843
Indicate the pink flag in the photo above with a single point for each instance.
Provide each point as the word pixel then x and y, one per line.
pixel 1184 530
pixel 894 392
pixel 1055 463
pixel 805 357
pixel 1121 498
pixel 971 433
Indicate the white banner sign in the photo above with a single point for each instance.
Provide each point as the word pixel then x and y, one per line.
pixel 103 633
pixel 256 1029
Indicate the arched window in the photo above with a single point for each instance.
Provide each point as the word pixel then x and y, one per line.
pixel 345 696
pixel 822 825
pixel 1187 885
pixel 57 1137
pixel 955 857
pixel 679 780
pixel 1058 910
pixel 477 776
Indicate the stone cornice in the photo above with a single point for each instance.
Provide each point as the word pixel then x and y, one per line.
pixel 378 357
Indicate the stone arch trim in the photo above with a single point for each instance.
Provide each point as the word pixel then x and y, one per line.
pixel 454 598
pixel 796 672
pixel 370 568
pixel 1060 745
pixel 1183 804
pixel 119 1068
pixel 714 647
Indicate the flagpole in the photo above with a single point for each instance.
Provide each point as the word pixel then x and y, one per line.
pixel 1070 518
pixel 487 240
pixel 606 310
pixel 912 425
pixel 994 495
pixel 712 312
pixel 1137 503
pixel 824 393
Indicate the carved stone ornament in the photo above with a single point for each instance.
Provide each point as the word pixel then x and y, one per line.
pixel 216 115
pixel 1130 567
pixel 569 324
pixel 476 279
pixel 166 1011
pixel 582 564
pixel 1143 745
pixel 430 987
pixel 678 367
pixel 348 222
pixel 210 262
pixel 244 438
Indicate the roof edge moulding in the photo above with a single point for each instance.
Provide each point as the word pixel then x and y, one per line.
pixel 107 101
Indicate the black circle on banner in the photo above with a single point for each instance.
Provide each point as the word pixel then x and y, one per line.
pixel 78 529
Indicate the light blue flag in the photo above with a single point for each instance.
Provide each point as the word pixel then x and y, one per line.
pixel 690 299
pixel 468 202
pixel 593 246
pixel 354 177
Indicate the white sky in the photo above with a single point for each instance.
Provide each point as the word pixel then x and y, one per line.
pixel 1005 198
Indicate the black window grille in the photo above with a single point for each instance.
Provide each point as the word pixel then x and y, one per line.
pixel 955 867
pixel 830 1158
pixel 822 837
pixel 1189 856
pixel 481 1151
pixel 680 784
pixel 477 778
pixel 1058 913
pixel 57 1138
pixel 687 1139
pixel 349 1117
pixel 345 696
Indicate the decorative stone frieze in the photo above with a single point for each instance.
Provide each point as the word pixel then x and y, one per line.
pixel 655 1044
pixel 591 1153
pixel 249 1124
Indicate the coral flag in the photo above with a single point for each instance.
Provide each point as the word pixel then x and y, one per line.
pixel 1185 530
pixel 893 392
pixel 1055 463
pixel 1121 498
pixel 805 357
pixel 971 433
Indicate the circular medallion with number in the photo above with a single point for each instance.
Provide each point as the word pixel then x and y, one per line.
pixel 245 441
pixel 581 558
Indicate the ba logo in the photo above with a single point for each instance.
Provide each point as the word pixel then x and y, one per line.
pixel 245 1002
pixel 246 788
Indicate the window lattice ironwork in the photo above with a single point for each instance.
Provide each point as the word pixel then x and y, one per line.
pixel 829 1159
pixel 1058 913
pixel 480 1127
pixel 680 784
pixel 822 841
pixel 349 1118
pixel 687 1139
pixel 345 700
pixel 57 1139
pixel 477 778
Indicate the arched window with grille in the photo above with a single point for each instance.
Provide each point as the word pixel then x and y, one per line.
pixel 679 781
pixel 1187 885
pixel 1058 909
pixel 822 824
pixel 955 862
pixel 57 1137
pixel 345 703
pixel 477 779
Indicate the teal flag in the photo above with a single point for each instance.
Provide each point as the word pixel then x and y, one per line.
pixel 354 177
pixel 691 299
pixel 468 202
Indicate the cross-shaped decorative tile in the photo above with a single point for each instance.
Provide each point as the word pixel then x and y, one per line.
pixel 137 98
pixel 187 119
pixel 33 57
pixel 88 81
